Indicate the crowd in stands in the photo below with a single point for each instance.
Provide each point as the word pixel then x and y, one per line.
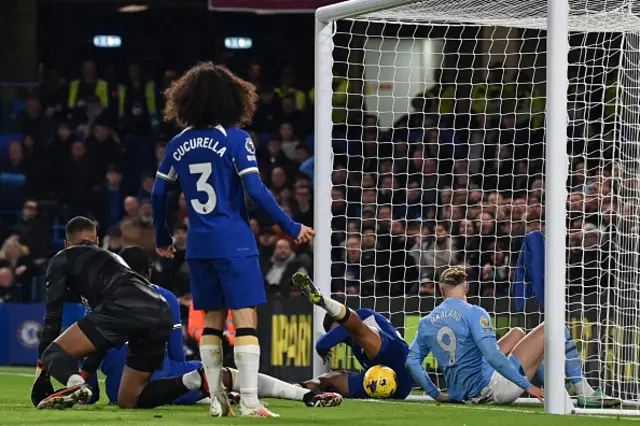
pixel 458 180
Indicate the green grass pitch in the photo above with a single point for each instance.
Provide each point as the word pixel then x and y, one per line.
pixel 16 409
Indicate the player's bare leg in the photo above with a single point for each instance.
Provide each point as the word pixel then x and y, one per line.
pixel 59 359
pixel 365 336
pixel 247 358
pixel 270 387
pixel 531 348
pixel 509 341
pixel 530 351
pixel 136 391
pixel 212 358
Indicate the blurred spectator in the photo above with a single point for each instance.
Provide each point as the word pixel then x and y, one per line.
pixel 53 95
pixel 146 186
pixel 438 253
pixel 109 199
pixel 288 88
pixel 266 118
pixel 34 232
pixel 113 241
pixel 303 206
pixel 8 291
pixel 290 114
pixel 78 179
pixel 182 213
pixel 131 208
pixel 281 267
pixel 16 258
pixel 14 163
pixel 103 148
pixel 289 140
pixel 305 161
pixel 88 85
pixel 139 231
pixel 33 122
pixel 59 148
pixel 266 244
pixel 137 106
pixel 272 157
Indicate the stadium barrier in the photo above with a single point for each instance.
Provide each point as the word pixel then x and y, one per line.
pixel 20 326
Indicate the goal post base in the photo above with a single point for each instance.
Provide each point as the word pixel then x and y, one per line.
pixel 630 407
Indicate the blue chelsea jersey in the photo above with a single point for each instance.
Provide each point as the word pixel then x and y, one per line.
pixel 210 163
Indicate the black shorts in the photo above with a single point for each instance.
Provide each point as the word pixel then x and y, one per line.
pixel 134 314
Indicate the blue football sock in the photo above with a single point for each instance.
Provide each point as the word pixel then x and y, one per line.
pixel 540 373
pixel 573 367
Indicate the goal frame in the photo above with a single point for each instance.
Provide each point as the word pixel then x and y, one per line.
pixel 556 160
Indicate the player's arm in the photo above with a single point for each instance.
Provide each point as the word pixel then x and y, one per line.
pixel 485 337
pixel 334 337
pixel 52 323
pixel 246 165
pixel 175 347
pixel 56 289
pixel 418 351
pixel 165 177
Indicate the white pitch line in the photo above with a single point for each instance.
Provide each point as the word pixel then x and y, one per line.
pixel 503 409
pixel 2 373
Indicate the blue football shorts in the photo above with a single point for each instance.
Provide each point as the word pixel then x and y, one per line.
pixel 232 283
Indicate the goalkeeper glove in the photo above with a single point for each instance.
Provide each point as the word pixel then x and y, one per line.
pixel 42 386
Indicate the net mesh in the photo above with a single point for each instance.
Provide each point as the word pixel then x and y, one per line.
pixel 438 156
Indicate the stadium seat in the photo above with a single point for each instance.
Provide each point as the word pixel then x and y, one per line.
pixel 12 190
pixel 266 137
pixel 17 107
pixel 5 140
pixel 309 142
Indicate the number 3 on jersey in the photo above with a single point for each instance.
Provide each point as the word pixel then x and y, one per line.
pixel 202 185
pixel 449 346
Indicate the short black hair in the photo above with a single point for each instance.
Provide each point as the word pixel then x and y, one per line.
pixel 210 95
pixel 138 259
pixel 79 224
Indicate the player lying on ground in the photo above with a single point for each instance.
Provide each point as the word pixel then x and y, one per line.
pixel 373 339
pixel 123 308
pixel 462 339
pixel 215 162
pixel 175 362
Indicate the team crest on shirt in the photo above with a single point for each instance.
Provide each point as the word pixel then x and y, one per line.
pixel 249 146
pixel 484 321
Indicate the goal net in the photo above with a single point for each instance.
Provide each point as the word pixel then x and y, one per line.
pixel 438 147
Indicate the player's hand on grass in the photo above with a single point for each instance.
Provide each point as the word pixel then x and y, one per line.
pixel 167 252
pixel 442 398
pixel 536 392
pixel 306 234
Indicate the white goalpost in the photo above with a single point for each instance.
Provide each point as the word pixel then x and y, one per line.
pixel 447 132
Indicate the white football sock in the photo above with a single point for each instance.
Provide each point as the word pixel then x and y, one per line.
pixel 192 380
pixel 75 379
pixel 270 387
pixel 247 359
pixel 334 308
pixel 583 388
pixel 211 356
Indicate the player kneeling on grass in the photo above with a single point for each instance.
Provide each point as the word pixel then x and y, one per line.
pixel 476 369
pixel 123 307
pixel 175 362
pixel 373 339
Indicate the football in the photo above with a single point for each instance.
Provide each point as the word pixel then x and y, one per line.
pixel 380 382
